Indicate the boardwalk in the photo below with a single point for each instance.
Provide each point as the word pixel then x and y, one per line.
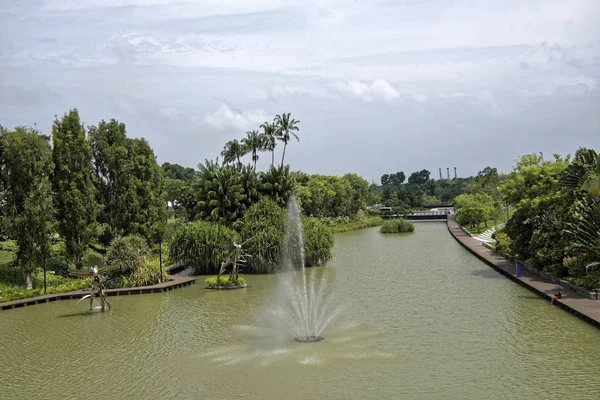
pixel 588 310
pixel 174 283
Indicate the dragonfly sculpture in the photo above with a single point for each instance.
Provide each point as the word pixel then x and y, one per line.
pixel 97 287
pixel 236 257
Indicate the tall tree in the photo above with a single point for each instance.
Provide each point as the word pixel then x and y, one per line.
pixel 113 175
pixel 147 201
pixel 285 127
pixel 73 186
pixel 129 182
pixel 26 162
pixel 270 134
pixel 253 143
pixel 176 171
pixel 232 151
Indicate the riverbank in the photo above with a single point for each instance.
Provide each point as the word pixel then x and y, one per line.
pixel 174 283
pixel 367 222
pixel 584 308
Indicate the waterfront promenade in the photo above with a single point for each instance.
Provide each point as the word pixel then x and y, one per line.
pixel 584 308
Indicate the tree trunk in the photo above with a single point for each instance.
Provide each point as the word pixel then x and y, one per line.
pixel 272 157
pixel 283 155
pixel 28 281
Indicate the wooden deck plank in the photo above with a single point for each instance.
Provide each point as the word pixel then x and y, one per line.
pixel 587 309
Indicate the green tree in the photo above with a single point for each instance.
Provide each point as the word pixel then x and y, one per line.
pixel 129 183
pixel 269 132
pixel 26 162
pixel 232 151
pixel 74 191
pixel 176 171
pixel 532 188
pixel 397 178
pixel 146 203
pixel 473 209
pixel 217 194
pixel 277 183
pixel 253 143
pixel 286 126
pixel 419 177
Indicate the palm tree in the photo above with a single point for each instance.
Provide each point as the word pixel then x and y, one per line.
pixel 285 127
pixel 217 193
pixel 270 136
pixel 233 150
pixel 582 177
pixel 278 184
pixel 253 143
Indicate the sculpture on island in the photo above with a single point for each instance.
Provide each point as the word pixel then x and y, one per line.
pixel 97 287
pixel 236 257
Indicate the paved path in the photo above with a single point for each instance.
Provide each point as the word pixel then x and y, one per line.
pixel 174 283
pixel 588 310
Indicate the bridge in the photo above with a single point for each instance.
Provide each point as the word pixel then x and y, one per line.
pixel 421 216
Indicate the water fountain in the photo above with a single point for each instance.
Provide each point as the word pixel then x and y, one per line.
pixel 302 306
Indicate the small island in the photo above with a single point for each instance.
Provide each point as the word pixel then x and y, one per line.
pixel 399 225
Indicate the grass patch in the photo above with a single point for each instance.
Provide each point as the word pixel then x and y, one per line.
pixel 54 284
pixel 366 222
pixel 223 281
pixel 399 225
pixel 481 227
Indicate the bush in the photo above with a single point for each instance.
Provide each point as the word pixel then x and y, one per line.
pixel 318 242
pixel 199 245
pixel 147 274
pixel 503 242
pixel 399 225
pixel 223 281
pixel 128 253
pixel 263 222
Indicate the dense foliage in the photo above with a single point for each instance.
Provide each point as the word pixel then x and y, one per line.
pixel 73 185
pixel 201 246
pixel 26 164
pixel 418 191
pixel 399 225
pixel 556 221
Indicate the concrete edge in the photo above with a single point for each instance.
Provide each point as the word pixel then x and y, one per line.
pixel 547 297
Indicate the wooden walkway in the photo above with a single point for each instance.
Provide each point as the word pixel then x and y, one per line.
pixel 584 308
pixel 174 283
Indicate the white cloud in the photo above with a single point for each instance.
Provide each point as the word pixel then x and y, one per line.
pixel 379 89
pixel 171 113
pixel 228 117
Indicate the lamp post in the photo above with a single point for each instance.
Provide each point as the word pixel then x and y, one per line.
pixel 160 259
pixel 44 273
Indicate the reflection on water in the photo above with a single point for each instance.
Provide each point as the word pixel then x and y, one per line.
pixel 423 319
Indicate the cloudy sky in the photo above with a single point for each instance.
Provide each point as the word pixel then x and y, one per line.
pixel 378 85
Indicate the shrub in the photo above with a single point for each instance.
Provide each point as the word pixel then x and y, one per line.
pixel 223 281
pixel 128 253
pixel 147 274
pixel 318 242
pixel 503 242
pixel 399 225
pixel 199 245
pixel 263 222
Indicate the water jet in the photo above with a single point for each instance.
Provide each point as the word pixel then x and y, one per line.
pixel 303 306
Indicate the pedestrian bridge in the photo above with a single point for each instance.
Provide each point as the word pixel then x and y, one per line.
pixel 421 215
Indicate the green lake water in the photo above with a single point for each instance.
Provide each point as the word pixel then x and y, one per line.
pixel 422 319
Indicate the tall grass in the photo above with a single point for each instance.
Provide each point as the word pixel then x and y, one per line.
pixel 399 225
pixel 199 245
pixel 362 223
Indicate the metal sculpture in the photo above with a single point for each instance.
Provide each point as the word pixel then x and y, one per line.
pixel 97 287
pixel 235 258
